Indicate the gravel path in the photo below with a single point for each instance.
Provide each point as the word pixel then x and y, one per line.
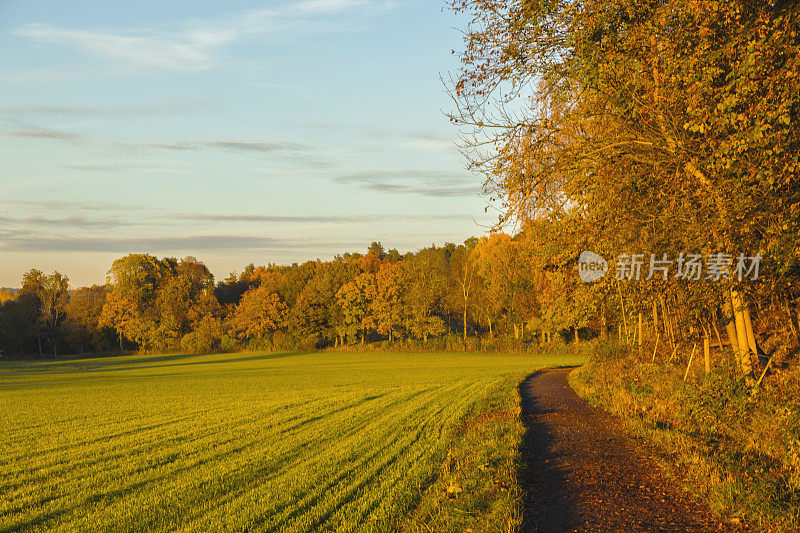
pixel 583 472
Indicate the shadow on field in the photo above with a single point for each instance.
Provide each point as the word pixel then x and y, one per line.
pixel 128 363
pixel 547 503
pixel 142 363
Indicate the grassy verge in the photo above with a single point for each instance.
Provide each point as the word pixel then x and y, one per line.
pixel 739 450
pixel 476 487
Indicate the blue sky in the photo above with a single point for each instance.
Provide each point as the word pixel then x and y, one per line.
pixel 234 131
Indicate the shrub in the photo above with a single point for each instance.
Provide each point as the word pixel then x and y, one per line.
pixel 205 338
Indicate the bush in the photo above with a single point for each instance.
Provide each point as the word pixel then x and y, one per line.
pixel 230 344
pixel 205 338
pixel 721 395
pixel 284 342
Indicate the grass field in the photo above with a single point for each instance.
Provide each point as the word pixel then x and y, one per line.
pixel 277 442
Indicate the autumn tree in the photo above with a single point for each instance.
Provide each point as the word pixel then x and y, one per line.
pixel 355 300
pixel 83 312
pixel 259 314
pixel 424 286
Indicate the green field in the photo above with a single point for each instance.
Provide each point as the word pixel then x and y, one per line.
pixel 278 442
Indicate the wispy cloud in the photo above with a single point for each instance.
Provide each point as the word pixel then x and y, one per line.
pixel 170 245
pixel 121 167
pixel 43 134
pixel 146 50
pixel 195 45
pixel 382 176
pixel 172 146
pixel 74 221
pixel 435 192
pixel 322 7
pixel 299 219
pixel 430 144
pixel 102 167
pixel 54 205
pixel 435 184
pixel 303 154
pixel 103 111
pixel 265 147
pixel 315 219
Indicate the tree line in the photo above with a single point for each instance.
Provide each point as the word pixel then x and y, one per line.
pixel 475 292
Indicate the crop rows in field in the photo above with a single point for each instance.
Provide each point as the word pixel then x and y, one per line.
pixel 278 442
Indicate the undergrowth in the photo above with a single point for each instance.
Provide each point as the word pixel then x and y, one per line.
pixel 738 448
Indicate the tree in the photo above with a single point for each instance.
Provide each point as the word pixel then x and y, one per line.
pixel 464 266
pixel 259 314
pixel 83 311
pixel 355 300
pixel 53 297
pixel 424 287
pixel 387 299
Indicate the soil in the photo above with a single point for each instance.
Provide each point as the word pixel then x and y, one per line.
pixel 582 471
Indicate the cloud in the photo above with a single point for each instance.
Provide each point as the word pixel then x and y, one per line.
pixel 436 145
pixel 265 147
pixel 120 167
pixel 437 184
pixel 297 152
pixel 172 146
pixel 168 245
pixel 383 176
pixel 43 134
pixel 53 205
pixel 319 7
pixel 74 221
pixel 434 192
pixel 194 46
pixel 314 219
pixel 144 50
pixel 103 111
pixel 102 167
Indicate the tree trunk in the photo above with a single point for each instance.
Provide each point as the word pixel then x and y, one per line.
pixel 665 321
pixel 655 316
pixel 748 328
pixel 576 333
pixel 640 334
pixel 516 330
pixel 624 318
pixel 603 322
pixel 741 335
pixel 707 352
pixel 730 326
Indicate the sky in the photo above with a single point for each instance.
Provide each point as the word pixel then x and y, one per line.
pixel 236 132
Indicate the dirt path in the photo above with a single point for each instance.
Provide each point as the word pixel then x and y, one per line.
pixel 582 472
